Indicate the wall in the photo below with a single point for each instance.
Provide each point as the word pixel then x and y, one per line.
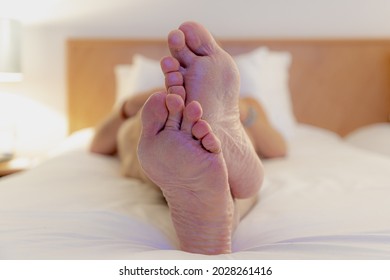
pixel 53 21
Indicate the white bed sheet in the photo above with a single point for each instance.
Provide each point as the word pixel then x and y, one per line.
pixel 374 137
pixel 326 200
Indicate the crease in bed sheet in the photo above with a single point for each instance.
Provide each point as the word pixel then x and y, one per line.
pixel 77 234
pixel 365 245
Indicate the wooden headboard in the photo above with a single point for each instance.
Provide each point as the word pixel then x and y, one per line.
pixel 335 84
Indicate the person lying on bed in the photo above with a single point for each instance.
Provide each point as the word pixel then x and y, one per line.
pixel 196 140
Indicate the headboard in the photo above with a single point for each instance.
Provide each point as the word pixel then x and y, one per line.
pixel 335 84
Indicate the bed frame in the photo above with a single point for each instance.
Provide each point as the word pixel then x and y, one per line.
pixel 339 85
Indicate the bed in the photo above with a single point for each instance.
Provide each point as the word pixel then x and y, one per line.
pixel 328 199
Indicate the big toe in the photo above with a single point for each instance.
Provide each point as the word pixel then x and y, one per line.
pixel 198 38
pixel 154 114
pixel 179 49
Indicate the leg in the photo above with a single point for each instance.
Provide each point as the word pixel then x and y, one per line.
pixel 135 103
pixel 127 142
pixel 211 78
pixel 180 154
pixel 267 141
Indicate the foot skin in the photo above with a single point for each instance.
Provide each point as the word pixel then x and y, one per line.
pixel 211 78
pixel 179 152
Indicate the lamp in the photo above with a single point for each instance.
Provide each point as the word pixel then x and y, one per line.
pixel 10 41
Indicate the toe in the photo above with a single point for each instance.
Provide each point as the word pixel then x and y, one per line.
pixel 191 114
pixel 169 64
pixel 154 114
pixel 203 132
pixel 175 105
pixel 178 48
pixel 211 143
pixel 200 129
pixel 173 79
pixel 179 90
pixel 198 39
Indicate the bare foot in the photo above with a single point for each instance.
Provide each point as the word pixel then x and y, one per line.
pixel 211 78
pixel 180 154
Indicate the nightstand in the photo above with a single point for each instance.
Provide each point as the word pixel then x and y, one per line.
pixel 14 165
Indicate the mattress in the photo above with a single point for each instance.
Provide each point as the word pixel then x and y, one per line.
pixel 326 200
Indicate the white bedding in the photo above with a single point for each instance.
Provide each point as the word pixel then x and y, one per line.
pixel 374 137
pixel 327 200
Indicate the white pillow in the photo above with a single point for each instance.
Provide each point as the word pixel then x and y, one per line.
pixel 143 75
pixel 148 74
pixel 374 137
pixel 124 82
pixel 264 76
